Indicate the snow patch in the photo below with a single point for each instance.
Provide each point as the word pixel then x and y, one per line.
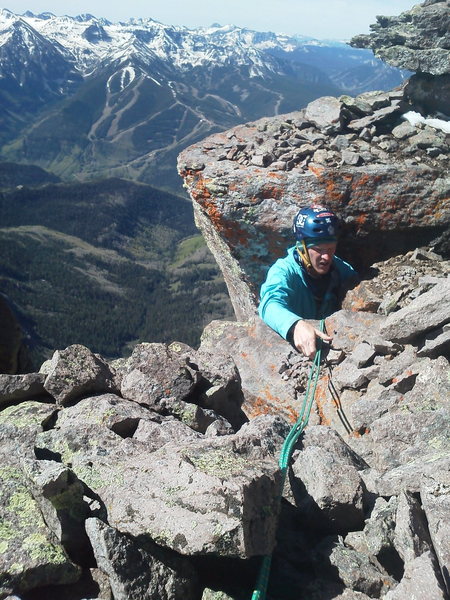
pixel 414 118
pixel 153 79
pixel 128 75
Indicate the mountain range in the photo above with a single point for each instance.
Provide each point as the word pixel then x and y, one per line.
pixel 83 96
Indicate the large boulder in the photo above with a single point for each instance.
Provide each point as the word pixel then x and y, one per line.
pixel 135 573
pixel 17 388
pixel 245 211
pixel 435 496
pixel 76 372
pixel 200 498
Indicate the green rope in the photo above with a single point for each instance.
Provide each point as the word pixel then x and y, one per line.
pixel 286 454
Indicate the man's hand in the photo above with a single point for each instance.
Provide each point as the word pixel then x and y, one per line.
pixel 304 338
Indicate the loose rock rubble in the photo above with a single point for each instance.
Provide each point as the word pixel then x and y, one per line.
pixel 369 129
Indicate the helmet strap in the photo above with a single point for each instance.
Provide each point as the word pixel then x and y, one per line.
pixel 304 256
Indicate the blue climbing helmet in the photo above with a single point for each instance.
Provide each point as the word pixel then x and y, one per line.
pixel 315 225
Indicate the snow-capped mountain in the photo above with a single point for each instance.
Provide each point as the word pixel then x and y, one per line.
pixel 97 97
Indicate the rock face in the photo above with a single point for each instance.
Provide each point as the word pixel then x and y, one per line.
pixel 417 40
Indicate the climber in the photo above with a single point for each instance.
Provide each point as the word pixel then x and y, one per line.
pixel 308 283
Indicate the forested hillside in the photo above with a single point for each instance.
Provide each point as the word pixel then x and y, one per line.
pixel 105 264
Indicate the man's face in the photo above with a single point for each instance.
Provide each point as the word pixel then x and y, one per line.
pixel 321 257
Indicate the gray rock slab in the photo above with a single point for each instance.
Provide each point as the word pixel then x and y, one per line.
pixel 411 535
pixel 436 342
pixel 17 388
pixel 428 311
pixel 30 415
pixel 195 417
pixel 431 390
pixel 30 556
pixel 330 440
pixel 351 158
pixel 350 595
pixel 357 105
pixel 134 573
pixel 420 581
pixel 357 540
pixel 350 328
pixel 362 355
pixel 405 477
pixel 379 116
pixel 405 437
pixel 348 375
pixel 219 427
pixel 60 497
pixel 77 443
pixel 76 372
pixel 220 382
pixel 333 487
pixel 391 369
pixel 355 569
pixel 155 375
pixel 157 435
pixel 201 498
pixel 19 426
pixel 435 496
pixel 424 139
pixel 325 112
pixel 119 415
pixel 209 594
pixel 403 131
pixel 379 528
pixel 262 437
pixel 371 406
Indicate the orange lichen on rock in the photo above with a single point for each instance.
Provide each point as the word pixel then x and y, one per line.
pixel 316 169
pixel 259 406
pixel 321 398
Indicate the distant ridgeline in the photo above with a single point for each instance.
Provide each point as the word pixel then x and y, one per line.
pixel 103 263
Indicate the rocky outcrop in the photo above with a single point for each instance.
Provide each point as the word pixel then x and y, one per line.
pixel 417 40
pixel 157 477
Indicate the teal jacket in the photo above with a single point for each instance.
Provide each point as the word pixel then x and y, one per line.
pixel 286 297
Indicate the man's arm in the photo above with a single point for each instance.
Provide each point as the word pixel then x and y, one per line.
pixel 275 307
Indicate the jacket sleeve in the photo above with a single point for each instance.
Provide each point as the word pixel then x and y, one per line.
pixel 274 308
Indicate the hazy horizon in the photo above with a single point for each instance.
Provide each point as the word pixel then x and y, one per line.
pixel 322 19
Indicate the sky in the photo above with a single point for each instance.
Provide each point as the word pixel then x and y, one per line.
pixel 322 19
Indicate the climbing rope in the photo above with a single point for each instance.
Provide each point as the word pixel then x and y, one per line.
pixel 286 454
